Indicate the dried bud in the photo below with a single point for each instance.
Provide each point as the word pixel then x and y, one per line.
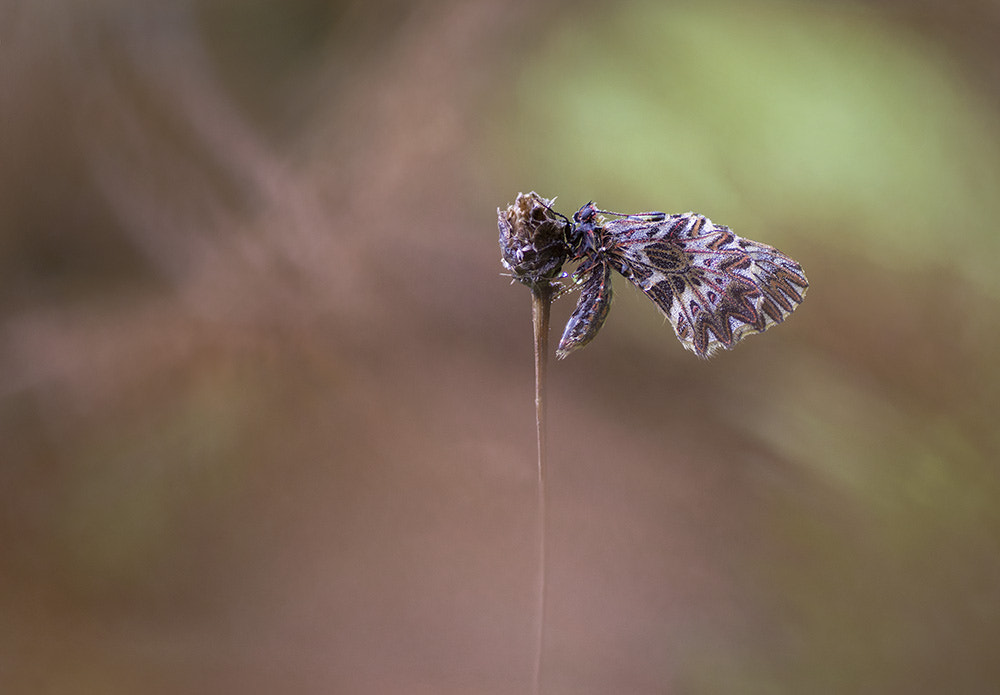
pixel 533 239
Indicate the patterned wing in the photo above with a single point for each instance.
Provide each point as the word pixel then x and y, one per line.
pixel 591 309
pixel 714 286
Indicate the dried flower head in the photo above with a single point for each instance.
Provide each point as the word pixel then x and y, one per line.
pixel 534 239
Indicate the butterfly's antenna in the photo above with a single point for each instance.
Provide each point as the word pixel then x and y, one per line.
pixel 556 212
pixel 654 215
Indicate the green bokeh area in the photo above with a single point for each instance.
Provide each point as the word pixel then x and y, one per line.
pixel 791 115
pixel 858 147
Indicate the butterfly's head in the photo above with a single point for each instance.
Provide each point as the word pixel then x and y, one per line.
pixel 583 236
pixel 587 215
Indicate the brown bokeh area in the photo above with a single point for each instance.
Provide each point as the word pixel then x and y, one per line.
pixel 266 401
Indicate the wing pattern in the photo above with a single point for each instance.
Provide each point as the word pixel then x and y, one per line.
pixel 715 287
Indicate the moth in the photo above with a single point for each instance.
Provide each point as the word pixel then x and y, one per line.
pixel 715 288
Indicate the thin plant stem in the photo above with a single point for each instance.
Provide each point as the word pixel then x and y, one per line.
pixel 541 302
pixel 535 242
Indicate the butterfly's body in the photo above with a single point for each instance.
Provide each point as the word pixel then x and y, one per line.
pixel 715 287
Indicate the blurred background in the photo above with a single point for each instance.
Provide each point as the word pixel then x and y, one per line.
pixel 266 401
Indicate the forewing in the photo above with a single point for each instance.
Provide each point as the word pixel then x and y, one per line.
pixel 591 309
pixel 715 287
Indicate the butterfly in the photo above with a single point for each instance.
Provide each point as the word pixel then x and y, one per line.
pixel 715 288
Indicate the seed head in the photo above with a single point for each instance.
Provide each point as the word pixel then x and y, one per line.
pixel 533 239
